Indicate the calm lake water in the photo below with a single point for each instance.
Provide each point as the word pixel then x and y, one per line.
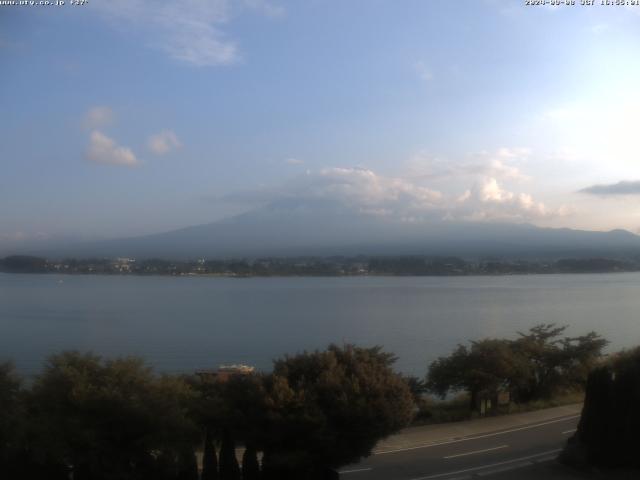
pixel 182 324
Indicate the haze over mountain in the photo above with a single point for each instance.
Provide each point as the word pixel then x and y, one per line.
pixel 323 227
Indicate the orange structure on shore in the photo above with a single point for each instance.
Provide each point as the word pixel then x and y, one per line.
pixel 225 372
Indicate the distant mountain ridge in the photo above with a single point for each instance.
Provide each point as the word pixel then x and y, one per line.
pixel 325 228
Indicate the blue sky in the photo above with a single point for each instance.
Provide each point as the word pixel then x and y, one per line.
pixel 139 116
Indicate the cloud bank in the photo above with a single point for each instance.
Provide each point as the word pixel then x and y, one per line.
pixel 488 200
pixel 364 191
pixel 625 187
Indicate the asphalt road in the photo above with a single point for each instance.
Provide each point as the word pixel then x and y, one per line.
pixel 477 455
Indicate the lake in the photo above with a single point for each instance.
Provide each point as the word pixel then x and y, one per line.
pixel 180 324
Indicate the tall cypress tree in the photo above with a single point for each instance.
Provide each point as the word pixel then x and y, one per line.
pixel 229 468
pixel 187 465
pixel 209 458
pixel 167 467
pixel 250 465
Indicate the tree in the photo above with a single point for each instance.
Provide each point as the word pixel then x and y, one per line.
pixel 330 408
pixel 582 354
pixel 23 264
pixel 209 458
pixel 417 387
pixel 229 468
pixel 105 418
pixel 536 365
pixel 553 362
pixel 187 465
pixel 232 411
pixel 483 369
pixel 166 466
pixel 12 422
pixel 607 433
pixel 250 465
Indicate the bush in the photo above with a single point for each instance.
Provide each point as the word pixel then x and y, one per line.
pixel 607 434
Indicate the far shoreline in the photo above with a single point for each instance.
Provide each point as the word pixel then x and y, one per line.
pixel 335 266
pixel 211 275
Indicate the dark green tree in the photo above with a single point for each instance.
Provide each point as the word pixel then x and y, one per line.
pixel 23 264
pixel 417 386
pixel 13 453
pixel 209 458
pixel 482 369
pixel 187 465
pixel 105 418
pixel 538 364
pixel 229 468
pixel 607 434
pixel 233 410
pixel 166 466
pixel 553 362
pixel 329 408
pixel 250 465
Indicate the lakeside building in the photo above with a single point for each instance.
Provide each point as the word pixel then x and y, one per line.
pixel 225 372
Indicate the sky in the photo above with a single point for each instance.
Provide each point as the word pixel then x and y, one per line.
pixel 128 117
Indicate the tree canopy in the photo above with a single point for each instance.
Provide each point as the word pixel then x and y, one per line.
pixel 108 419
pixel 116 419
pixel 607 434
pixel 330 408
pixel 535 365
pixel 316 411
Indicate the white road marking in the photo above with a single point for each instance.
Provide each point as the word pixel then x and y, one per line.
pixel 482 467
pixel 476 451
pixel 566 432
pixel 355 470
pixel 486 435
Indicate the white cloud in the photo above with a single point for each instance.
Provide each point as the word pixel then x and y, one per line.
pixel 98 117
pixel 489 200
pixel 494 167
pixel 365 191
pixel 294 161
pixel 497 164
pixel 363 188
pixel 163 142
pixel 490 191
pixel 358 189
pixel 191 31
pixel 103 149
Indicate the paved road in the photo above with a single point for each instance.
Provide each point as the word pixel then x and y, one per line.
pixel 474 455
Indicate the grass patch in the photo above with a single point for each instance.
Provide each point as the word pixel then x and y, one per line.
pixel 566 398
pixel 432 411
